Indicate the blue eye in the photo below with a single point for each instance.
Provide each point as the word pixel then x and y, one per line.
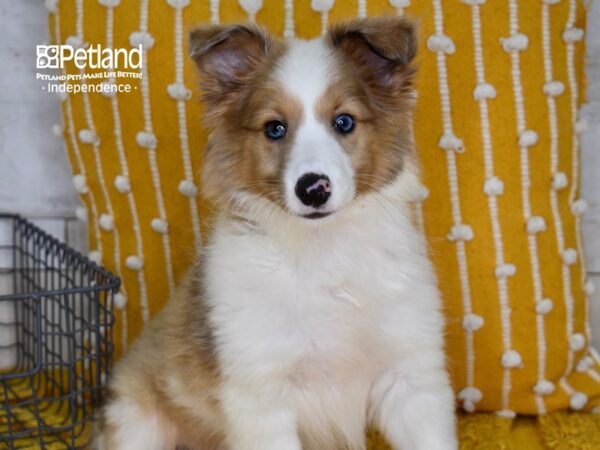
pixel 343 124
pixel 275 130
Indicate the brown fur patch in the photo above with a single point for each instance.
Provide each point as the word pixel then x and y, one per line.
pixel 375 87
pixel 240 101
pixel 172 362
pixel 240 154
pixel 198 320
pixel 380 144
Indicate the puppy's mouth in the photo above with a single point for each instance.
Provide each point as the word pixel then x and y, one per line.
pixel 317 215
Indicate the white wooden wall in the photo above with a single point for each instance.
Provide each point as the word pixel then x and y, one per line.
pixel 591 162
pixel 35 178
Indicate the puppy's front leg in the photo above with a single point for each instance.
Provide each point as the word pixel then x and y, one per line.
pixel 256 421
pixel 414 412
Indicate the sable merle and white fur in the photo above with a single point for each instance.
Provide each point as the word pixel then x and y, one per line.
pixel 313 311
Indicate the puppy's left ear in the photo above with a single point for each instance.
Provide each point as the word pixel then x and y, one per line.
pixel 381 49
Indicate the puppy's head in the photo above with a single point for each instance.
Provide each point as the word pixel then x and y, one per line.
pixel 306 126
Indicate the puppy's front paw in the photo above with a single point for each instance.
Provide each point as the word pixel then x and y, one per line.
pixel 414 416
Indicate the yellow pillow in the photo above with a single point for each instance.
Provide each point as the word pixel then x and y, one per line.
pixel 499 86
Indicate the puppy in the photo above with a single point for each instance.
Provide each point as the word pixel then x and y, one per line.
pixel 313 311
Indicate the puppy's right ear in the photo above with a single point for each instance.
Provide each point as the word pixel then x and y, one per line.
pixel 227 56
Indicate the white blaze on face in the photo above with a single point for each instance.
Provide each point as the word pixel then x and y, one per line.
pixel 305 71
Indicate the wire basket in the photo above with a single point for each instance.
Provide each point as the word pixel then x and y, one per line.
pixel 55 340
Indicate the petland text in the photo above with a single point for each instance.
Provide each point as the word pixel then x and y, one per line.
pixel 92 57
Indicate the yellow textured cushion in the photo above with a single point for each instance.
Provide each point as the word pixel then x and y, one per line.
pixel 499 86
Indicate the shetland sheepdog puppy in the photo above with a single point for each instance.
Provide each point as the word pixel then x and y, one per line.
pixel 312 313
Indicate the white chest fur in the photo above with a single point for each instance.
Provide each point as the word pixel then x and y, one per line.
pixel 312 315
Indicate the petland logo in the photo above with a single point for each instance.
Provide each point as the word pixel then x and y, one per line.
pixel 70 70
pixel 93 57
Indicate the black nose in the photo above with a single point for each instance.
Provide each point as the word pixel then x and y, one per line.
pixel 313 189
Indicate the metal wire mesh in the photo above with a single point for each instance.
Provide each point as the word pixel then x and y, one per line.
pixel 55 338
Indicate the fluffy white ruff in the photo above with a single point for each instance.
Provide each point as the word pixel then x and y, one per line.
pixel 324 327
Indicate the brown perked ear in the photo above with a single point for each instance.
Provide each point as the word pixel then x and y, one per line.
pixel 227 56
pixel 382 49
